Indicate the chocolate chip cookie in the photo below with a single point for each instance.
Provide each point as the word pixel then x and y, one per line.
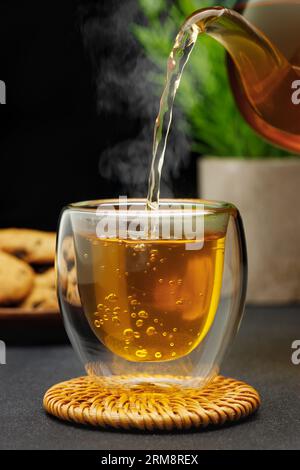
pixel 16 279
pixel 33 246
pixel 68 251
pixel 46 279
pixel 41 298
pixel 72 293
pixel 43 295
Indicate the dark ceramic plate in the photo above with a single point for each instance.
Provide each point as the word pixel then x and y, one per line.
pixel 17 313
pixel 24 326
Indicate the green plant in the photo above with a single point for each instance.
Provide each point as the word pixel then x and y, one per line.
pixel 211 117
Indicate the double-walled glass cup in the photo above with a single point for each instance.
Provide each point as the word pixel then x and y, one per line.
pixel 151 296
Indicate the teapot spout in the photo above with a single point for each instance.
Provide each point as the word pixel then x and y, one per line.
pixel 262 75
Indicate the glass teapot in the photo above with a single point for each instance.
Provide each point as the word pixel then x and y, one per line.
pixel 261 38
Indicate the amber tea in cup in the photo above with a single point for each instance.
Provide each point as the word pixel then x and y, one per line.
pixel 150 300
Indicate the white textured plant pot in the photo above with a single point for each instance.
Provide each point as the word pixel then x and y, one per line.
pixel 266 191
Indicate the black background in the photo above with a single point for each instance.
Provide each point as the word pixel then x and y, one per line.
pixel 52 132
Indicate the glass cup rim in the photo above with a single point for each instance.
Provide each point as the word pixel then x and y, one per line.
pixel 206 206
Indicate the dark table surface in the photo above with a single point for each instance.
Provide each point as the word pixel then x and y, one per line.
pixel 260 355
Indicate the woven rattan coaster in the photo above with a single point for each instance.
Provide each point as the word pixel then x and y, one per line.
pixel 101 402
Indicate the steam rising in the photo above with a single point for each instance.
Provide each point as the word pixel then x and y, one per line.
pixel 124 90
